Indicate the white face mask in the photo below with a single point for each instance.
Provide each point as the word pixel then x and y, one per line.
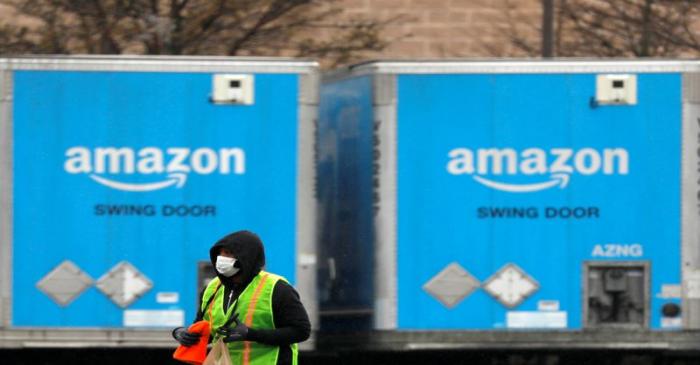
pixel 224 265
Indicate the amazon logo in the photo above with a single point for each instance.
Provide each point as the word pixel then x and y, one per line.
pixel 491 166
pixel 103 164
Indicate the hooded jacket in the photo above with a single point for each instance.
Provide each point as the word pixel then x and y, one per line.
pixel 248 250
pixel 290 318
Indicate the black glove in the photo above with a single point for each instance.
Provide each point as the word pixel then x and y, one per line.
pixel 184 337
pixel 238 332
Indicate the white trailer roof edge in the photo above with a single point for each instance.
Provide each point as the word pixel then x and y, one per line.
pixel 518 66
pixel 159 64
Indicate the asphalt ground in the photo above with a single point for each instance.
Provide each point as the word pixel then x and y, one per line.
pixel 133 356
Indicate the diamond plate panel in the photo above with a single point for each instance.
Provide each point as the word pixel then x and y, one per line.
pixel 123 284
pixel 511 285
pixel 64 283
pixel 451 285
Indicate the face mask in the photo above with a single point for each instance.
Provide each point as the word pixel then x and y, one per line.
pixel 224 265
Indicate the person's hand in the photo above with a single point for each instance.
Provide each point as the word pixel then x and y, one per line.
pixel 185 338
pixel 236 333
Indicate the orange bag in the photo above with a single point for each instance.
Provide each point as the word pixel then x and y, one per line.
pixel 196 353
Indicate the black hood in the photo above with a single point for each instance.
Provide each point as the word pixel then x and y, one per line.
pixel 248 250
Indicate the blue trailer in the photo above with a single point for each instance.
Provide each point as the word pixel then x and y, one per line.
pixel 511 204
pixel 118 174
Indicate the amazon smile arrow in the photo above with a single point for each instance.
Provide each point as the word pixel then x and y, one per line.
pixel 177 179
pixel 555 179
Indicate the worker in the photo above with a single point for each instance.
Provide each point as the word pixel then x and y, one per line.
pixel 257 314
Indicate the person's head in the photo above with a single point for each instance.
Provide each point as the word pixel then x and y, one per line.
pixel 223 251
pixel 238 257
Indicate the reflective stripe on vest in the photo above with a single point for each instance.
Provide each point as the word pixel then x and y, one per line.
pixel 254 308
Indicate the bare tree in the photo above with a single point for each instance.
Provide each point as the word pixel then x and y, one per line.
pixel 313 28
pixel 612 28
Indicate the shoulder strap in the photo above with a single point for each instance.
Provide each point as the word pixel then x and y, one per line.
pixel 210 300
pixel 233 317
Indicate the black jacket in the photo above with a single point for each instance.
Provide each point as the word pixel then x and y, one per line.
pixel 290 318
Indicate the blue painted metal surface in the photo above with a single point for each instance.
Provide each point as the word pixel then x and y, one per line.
pixel 624 165
pixel 61 202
